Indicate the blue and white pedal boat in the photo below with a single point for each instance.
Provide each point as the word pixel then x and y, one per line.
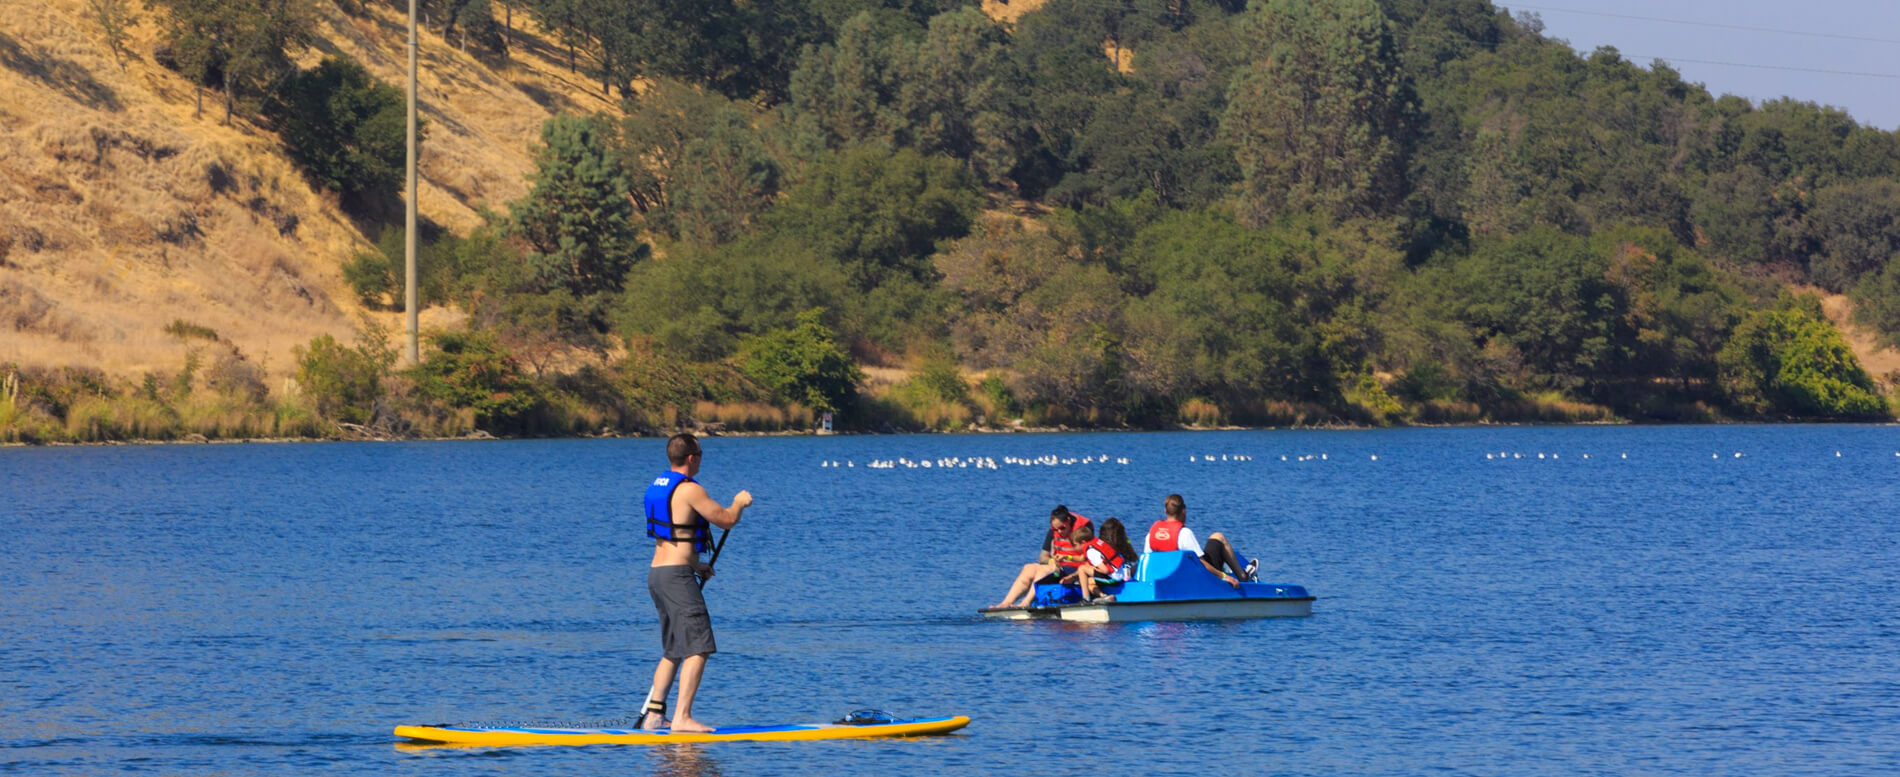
pixel 1170 586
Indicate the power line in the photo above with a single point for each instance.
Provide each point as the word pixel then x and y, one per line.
pixel 1111 5
pixel 1720 25
pixel 1633 57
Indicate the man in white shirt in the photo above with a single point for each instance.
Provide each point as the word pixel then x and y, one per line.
pixel 1172 533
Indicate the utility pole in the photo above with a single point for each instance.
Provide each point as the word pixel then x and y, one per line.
pixel 409 296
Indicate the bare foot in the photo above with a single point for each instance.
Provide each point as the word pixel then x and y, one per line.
pixel 690 726
pixel 652 721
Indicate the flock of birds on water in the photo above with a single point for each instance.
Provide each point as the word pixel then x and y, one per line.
pixel 987 462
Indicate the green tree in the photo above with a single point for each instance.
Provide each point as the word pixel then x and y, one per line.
pixel 346 129
pixel 1680 311
pixel 846 92
pixel 948 93
pixel 803 364
pixel 578 218
pixel 698 169
pixel 1856 228
pixel 878 213
pixel 699 303
pixel 1319 122
pixel 1790 362
pixel 242 45
pixel 114 18
pixel 1541 302
pixel 1877 301
pixel 954 94
pixel 1222 318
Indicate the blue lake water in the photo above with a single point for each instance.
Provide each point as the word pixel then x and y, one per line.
pixel 1660 607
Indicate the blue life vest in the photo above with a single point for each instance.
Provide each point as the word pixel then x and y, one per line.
pixel 659 507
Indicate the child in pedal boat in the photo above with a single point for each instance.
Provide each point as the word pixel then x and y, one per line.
pixel 1060 556
pixel 1171 533
pixel 1109 557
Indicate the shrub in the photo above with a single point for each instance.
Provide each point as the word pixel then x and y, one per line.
pixel 471 370
pixel 995 399
pixel 939 378
pixel 804 364
pixel 1425 383
pixel 373 277
pixel 343 382
pixel 1372 401
pixel 233 375
pixel 185 330
pixel 1790 361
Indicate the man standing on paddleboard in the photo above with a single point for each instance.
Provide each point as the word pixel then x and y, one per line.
pixel 680 516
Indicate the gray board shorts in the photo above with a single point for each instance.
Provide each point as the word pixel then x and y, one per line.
pixel 685 625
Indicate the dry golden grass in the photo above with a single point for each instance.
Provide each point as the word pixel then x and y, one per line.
pixel 1122 56
pixel 1200 412
pixel 126 211
pixel 1877 359
pixel 1552 408
pixel 1009 11
pixel 753 416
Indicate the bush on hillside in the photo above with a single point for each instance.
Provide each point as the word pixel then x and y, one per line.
pixel 346 129
pixel 472 370
pixel 345 382
pixel 803 364
pixel 1790 361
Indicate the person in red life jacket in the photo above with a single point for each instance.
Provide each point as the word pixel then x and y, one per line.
pixel 1109 557
pixel 1172 533
pixel 1060 556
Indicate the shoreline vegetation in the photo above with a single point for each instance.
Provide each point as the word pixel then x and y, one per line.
pixel 468 388
pixel 1276 213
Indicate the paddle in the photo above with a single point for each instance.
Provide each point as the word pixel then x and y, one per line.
pixel 717 546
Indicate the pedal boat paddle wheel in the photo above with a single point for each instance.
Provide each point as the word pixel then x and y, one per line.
pixel 1168 586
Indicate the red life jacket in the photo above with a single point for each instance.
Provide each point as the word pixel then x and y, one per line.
pixel 1164 535
pixel 1063 549
pixel 1110 556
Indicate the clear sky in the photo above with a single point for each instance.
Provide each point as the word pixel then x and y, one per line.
pixel 1772 47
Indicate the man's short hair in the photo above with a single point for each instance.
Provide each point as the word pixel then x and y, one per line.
pixel 1175 507
pixel 681 447
pixel 1061 513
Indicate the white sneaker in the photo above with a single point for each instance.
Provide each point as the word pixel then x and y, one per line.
pixel 1250 573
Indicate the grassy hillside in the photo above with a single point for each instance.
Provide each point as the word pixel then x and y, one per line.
pixel 121 211
pixel 919 214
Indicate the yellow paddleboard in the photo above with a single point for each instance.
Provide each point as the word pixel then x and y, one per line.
pixel 497 736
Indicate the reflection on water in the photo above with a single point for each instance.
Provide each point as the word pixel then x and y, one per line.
pixel 684 760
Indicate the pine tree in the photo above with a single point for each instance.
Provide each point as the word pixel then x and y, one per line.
pixel 1319 123
pixel 578 218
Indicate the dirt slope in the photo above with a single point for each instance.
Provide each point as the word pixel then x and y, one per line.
pixel 121 211
pixel 1878 360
